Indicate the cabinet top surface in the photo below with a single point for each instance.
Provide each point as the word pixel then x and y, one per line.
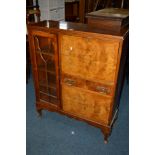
pixel 49 25
pixel 116 13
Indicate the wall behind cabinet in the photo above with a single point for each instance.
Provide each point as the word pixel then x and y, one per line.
pixel 52 9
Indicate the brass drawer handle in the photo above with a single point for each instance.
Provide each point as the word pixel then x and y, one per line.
pixel 69 82
pixel 103 90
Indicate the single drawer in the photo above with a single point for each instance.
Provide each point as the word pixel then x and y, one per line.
pixel 72 81
pixel 100 88
pixel 86 104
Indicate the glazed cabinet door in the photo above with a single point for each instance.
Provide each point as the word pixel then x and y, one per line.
pixel 44 55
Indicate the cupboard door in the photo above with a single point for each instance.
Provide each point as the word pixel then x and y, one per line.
pixel 90 58
pixel 85 104
pixel 46 66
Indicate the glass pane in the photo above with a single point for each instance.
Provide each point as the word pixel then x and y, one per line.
pixel 45 62
pixel 47 86
pixel 48 98
pixel 46 78
pixel 46 69
pixel 47 90
pixel 44 44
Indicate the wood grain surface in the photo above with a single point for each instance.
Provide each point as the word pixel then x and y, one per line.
pixel 101 88
pixel 85 104
pixel 89 58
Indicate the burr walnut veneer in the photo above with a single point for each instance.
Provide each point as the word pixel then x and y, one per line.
pixel 78 71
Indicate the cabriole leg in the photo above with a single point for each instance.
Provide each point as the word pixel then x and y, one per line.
pixel 106 133
pixel 106 138
pixel 39 112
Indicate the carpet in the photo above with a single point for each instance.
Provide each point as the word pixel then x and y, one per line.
pixel 56 134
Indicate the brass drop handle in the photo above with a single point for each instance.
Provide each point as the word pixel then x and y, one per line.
pixel 102 90
pixel 69 82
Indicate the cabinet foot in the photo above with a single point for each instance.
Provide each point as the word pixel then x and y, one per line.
pixel 106 138
pixel 39 113
pixel 106 133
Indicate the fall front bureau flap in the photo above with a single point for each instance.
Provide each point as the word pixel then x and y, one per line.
pixel 89 58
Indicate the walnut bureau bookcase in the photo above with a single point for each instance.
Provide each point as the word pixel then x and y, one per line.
pixel 78 70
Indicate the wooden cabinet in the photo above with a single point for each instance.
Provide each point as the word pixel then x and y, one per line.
pixel 78 71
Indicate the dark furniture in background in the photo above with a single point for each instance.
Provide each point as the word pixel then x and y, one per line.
pixel 72 11
pixel 113 19
pixel 32 16
pixel 87 6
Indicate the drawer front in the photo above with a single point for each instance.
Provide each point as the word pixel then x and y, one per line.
pixel 85 104
pixel 93 59
pixel 101 88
